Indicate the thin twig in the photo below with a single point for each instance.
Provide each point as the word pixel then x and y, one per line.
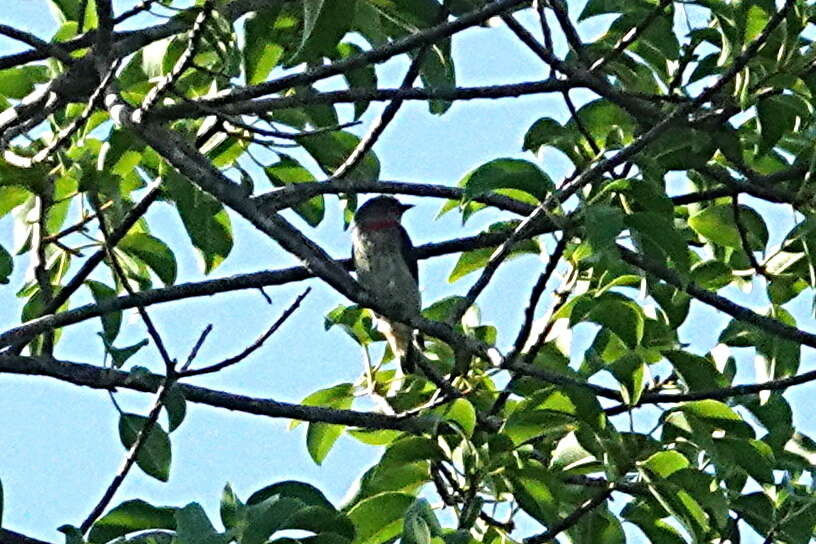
pixel 65 134
pixel 252 347
pixel 194 352
pixel 378 127
pixel 183 62
pixel 573 518
pixel 559 8
pixel 743 234
pixel 41 272
pixel 523 335
pixel 113 260
pixel 129 460
pixel 630 37
pixel 78 226
pixel 50 49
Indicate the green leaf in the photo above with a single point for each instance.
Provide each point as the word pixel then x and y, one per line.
pixel 288 171
pixel 16 83
pixel 698 373
pixel 682 149
pixel 507 174
pixel 72 534
pixel 716 224
pixel 266 518
pixel 778 115
pixel 130 517
pixel 536 491
pixel 410 449
pixel 355 321
pixel 656 43
pixel 630 371
pixel 603 224
pixel 683 506
pixel 320 437
pixel 711 274
pixel 6 265
pixel 756 509
pixel 363 78
pixel 776 357
pixel 327 524
pixel 121 355
pixel 176 407
pixel 665 463
pixel 619 314
pixel 374 437
pixel 405 478
pixel 753 456
pixel 420 524
pixel 232 510
pixel 461 412
pixel 69 10
pixel 262 52
pixel 378 519
pixel 153 252
pixel 308 494
pixel 154 455
pixel 600 7
pixel 437 72
pixel 660 233
pixel 473 260
pixel 656 530
pixel 110 321
pixel 545 413
pixel 325 22
pixel 204 218
pixel 719 416
pixel 331 149
pixel 609 125
pixel 800 451
pixel 549 132
pixel 11 196
pixel 193 527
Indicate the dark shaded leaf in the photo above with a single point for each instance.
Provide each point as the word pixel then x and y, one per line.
pixel 154 454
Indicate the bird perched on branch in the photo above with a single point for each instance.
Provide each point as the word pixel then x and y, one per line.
pixel 386 265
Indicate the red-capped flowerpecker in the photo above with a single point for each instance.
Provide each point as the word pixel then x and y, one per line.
pixel 386 266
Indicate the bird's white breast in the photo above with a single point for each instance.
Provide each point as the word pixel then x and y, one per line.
pixel 382 269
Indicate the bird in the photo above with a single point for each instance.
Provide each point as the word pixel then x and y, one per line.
pixel 386 265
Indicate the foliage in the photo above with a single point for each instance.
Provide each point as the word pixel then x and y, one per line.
pixel 698 127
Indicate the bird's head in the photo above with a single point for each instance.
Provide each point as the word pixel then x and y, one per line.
pixel 380 213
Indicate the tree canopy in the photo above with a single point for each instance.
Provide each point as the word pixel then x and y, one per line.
pixel 690 136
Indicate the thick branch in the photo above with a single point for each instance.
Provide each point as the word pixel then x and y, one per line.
pixel 740 313
pixel 291 195
pixel 8 536
pixel 350 96
pixel 109 379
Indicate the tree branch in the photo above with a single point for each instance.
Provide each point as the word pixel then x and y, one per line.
pixel 110 379
pixel 191 108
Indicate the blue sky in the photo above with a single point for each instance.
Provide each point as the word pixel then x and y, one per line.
pixel 58 443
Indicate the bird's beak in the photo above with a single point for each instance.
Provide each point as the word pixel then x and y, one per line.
pixel 406 207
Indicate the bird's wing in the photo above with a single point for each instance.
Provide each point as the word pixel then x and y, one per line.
pixel 408 254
